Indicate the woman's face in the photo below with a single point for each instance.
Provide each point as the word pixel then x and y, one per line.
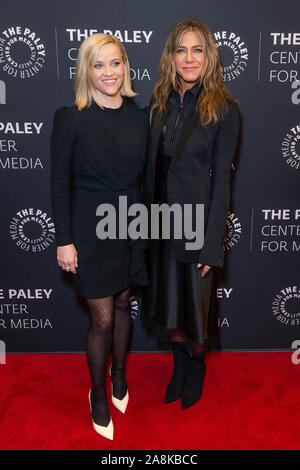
pixel 108 71
pixel 189 59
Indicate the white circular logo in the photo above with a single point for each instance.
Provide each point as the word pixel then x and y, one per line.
pixel 286 306
pixel 233 231
pixel 134 308
pixel 290 147
pixel 233 54
pixel 22 54
pixel 32 230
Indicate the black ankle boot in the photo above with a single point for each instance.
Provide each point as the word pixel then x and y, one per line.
pixel 194 381
pixel 180 364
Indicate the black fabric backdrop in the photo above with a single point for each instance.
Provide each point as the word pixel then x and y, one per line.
pixel 258 292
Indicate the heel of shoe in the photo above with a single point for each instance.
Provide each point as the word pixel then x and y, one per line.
pixel 121 405
pixel 194 384
pixel 104 431
pixel 180 365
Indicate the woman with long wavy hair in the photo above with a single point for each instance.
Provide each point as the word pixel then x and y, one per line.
pixel 194 131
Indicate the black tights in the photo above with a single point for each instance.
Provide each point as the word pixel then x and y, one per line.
pixel 109 332
pixel 196 349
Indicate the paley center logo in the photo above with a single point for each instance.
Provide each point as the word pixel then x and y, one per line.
pixel 284 57
pixel 233 53
pixel 290 147
pixel 233 231
pixel 32 230
pixel 286 306
pixel 127 36
pixel 22 53
pixel 135 36
pixel 11 155
pixel 134 307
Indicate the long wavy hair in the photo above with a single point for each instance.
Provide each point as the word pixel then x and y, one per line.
pixel 214 96
pixel 88 51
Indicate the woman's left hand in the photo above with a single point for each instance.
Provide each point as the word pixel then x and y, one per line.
pixel 205 269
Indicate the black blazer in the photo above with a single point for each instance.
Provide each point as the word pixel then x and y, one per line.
pixel 199 173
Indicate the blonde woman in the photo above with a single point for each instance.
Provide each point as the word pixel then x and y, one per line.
pixel 98 151
pixel 194 130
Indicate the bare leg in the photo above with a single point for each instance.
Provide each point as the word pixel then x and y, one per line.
pixel 177 336
pixel 196 348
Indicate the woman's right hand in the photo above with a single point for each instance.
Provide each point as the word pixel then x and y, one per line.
pixel 67 258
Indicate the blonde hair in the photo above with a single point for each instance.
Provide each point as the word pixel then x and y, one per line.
pixel 214 96
pixel 84 89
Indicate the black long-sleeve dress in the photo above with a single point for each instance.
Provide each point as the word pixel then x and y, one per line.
pixel 97 155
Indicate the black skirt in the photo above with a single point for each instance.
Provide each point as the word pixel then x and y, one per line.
pixel 105 267
pixel 177 297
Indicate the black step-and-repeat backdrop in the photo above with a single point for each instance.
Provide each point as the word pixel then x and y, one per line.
pixel 258 292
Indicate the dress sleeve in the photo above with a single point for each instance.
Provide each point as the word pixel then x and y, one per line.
pixel 212 252
pixel 62 139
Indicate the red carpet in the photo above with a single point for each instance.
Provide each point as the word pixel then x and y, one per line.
pixel 250 401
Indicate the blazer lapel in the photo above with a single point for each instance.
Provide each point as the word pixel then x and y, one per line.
pixel 185 134
pixel 155 135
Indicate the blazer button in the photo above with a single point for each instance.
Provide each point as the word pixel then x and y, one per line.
pixel 210 171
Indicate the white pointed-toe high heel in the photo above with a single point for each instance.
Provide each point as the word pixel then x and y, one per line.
pixel 104 431
pixel 121 405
